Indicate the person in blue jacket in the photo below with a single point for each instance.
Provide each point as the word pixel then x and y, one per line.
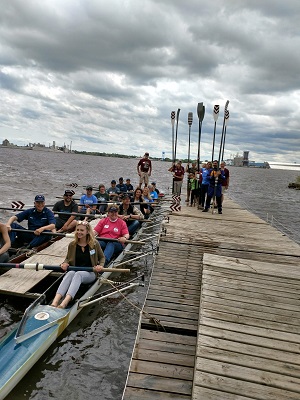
pixel 40 219
pixel 215 188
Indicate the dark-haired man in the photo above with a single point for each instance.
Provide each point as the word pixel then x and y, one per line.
pixel 121 185
pixel 40 219
pixel 66 222
pixel 144 169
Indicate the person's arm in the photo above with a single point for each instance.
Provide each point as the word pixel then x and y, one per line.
pixel 124 233
pixel 81 201
pixel 6 239
pixel 137 214
pixel 10 221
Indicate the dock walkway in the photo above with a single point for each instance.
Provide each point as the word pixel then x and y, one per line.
pixel 222 315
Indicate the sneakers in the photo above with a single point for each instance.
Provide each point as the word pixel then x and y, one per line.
pixel 205 210
pixel 219 212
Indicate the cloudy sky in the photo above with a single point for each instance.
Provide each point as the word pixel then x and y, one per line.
pixel 106 74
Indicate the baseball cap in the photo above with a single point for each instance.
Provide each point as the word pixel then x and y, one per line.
pixel 68 191
pixel 128 179
pixel 89 187
pixel 146 154
pixel 113 181
pixel 125 196
pixel 39 197
pixel 121 179
pixel 153 183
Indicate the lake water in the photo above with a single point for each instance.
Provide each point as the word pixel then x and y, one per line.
pixel 91 358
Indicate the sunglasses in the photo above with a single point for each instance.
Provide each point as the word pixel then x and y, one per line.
pixel 85 223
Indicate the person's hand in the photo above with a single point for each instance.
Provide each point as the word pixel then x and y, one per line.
pixel 8 227
pixel 98 268
pixel 37 232
pixel 122 240
pixel 64 266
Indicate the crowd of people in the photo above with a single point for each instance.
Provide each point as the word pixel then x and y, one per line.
pixel 204 184
pixel 96 247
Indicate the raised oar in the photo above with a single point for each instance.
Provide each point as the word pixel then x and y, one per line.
pixel 215 115
pixel 226 122
pixel 223 129
pixel 38 267
pixel 190 121
pixel 172 123
pixel 176 135
pixel 72 236
pixel 200 112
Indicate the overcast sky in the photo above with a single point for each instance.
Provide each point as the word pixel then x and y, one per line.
pixel 105 75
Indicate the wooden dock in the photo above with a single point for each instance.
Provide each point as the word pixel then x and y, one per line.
pixel 222 315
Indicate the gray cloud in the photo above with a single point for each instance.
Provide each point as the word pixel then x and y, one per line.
pixel 97 71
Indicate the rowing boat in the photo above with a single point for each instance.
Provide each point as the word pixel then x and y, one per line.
pixel 41 325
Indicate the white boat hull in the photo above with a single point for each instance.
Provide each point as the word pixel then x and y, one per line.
pixel 287 166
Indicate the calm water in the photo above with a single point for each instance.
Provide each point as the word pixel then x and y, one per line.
pixel 91 358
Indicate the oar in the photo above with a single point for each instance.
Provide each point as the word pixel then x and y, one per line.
pixel 190 121
pixel 172 123
pixel 176 135
pixel 223 129
pixel 200 112
pixel 38 267
pixel 215 115
pixel 72 236
pixel 226 122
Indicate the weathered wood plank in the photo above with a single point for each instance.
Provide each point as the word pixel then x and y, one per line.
pixel 241 387
pixel 143 394
pixel 20 280
pixel 162 384
pixel 205 393
pixel 160 369
pixel 165 357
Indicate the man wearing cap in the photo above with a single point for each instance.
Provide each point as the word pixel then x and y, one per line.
pixel 66 222
pixel 113 191
pixel 40 219
pixel 144 169
pixel 111 227
pixel 155 188
pixel 121 186
pixel 88 202
pixel 129 185
pixel 130 214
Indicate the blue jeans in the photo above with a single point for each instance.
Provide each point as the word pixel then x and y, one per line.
pixel 110 249
pixel 26 237
pixel 133 226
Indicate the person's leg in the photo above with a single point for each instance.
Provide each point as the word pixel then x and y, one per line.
pixel 219 204
pixel 133 227
pixel 14 235
pixel 38 240
pixel 4 257
pixel 108 252
pixel 79 278
pixel 63 287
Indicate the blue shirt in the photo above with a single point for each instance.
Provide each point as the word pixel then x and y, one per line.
pixel 89 200
pixel 36 219
pixel 122 187
pixel 154 195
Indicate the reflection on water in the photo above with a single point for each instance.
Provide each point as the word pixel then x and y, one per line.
pixel 91 358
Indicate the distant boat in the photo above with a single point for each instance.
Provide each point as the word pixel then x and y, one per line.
pixel 288 166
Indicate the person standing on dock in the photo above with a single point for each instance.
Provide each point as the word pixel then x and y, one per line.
pixel 40 219
pixel 144 169
pixel 66 222
pixel 225 181
pixel 4 243
pixel 178 174
pixel 214 188
pixel 190 170
pixel 83 251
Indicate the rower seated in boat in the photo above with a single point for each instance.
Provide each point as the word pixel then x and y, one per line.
pixel 130 214
pixel 83 251
pixel 88 202
pixel 40 219
pixel 112 227
pixel 66 222
pixel 4 243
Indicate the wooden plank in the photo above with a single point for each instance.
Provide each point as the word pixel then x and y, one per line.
pixel 160 369
pixel 247 360
pixel 250 339
pixel 165 357
pixel 20 280
pixel 273 380
pixel 205 393
pixel 142 394
pixel 240 387
pixel 162 384
pixel 250 349
pixel 251 320
pixel 164 346
pixel 167 337
pixel 250 266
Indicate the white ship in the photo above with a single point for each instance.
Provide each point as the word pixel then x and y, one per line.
pixel 288 166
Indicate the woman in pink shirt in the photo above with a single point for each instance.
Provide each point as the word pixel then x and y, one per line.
pixel 111 227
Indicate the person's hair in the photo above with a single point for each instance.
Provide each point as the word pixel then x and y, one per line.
pixel 148 195
pixel 101 186
pixel 141 195
pixel 90 238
